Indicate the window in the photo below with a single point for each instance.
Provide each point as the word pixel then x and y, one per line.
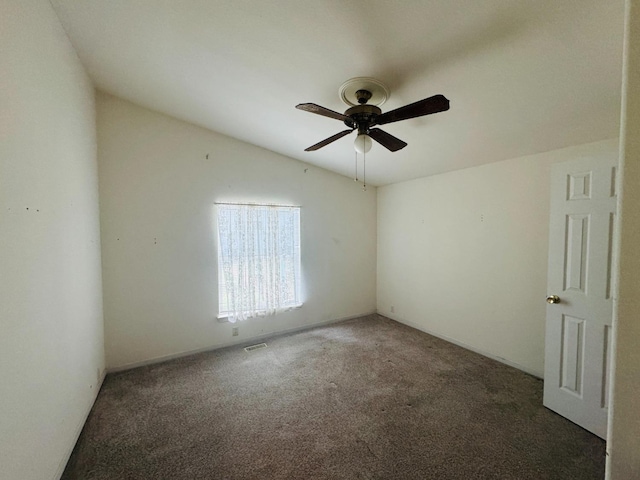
pixel 258 260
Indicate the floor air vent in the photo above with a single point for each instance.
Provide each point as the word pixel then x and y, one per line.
pixel 255 347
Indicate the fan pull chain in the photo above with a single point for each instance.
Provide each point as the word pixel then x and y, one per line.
pixel 364 172
pixel 356 177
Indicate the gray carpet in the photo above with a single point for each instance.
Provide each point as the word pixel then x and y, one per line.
pixel 363 399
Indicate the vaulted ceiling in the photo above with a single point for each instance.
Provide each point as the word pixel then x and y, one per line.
pixel 523 76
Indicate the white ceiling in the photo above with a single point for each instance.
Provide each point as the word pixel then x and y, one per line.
pixel 523 76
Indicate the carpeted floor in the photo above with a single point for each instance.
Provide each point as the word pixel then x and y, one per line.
pixel 364 399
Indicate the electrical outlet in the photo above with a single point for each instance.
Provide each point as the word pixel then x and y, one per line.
pixel 393 309
pixel 234 331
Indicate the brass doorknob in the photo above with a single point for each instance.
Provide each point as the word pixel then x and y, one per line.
pixel 553 299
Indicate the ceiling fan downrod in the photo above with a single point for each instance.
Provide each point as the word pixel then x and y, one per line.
pixel 363 96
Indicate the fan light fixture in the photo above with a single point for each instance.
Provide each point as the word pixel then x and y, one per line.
pixel 362 143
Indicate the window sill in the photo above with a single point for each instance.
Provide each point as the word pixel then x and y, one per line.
pixel 224 318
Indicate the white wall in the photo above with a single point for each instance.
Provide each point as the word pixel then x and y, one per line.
pixel 463 255
pixel 51 340
pixel 157 194
pixel 623 447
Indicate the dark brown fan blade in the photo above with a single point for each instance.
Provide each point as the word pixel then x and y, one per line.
pixel 327 141
pixel 313 108
pixel 435 104
pixel 386 139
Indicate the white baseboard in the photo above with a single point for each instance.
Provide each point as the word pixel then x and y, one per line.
pixel 80 426
pixel 256 339
pixel 466 346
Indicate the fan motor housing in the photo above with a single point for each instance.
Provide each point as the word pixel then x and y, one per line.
pixel 362 117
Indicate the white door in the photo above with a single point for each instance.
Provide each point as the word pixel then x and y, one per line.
pixel 578 330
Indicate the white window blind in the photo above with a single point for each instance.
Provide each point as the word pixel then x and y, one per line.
pixel 258 260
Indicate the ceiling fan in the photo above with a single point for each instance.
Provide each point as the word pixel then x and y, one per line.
pixel 364 95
